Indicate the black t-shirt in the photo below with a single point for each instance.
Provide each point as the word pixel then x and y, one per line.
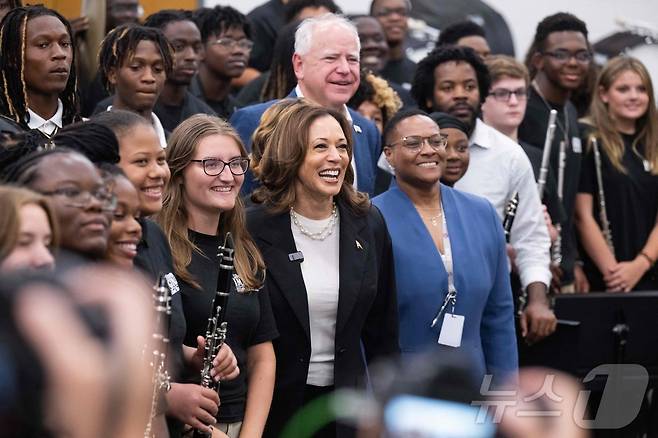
pixel 533 131
pixel 154 258
pixel 631 206
pixel 171 115
pixel 250 93
pixel 249 317
pixel 266 21
pixel 224 108
pixel 400 71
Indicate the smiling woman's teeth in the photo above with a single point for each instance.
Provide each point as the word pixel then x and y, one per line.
pixel 152 190
pixel 329 174
pixel 221 189
pixel 432 164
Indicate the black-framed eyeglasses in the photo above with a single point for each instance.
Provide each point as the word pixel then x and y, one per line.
pixel 230 43
pixel 561 55
pixel 215 166
pixel 78 198
pixel 415 142
pixel 504 94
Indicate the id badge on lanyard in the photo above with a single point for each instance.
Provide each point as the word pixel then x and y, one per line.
pixel 453 324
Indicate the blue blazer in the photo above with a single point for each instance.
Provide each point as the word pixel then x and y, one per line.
pixel 484 296
pixel 367 143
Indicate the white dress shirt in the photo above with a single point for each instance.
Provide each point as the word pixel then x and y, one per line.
pixel 48 127
pixel 346 113
pixel 497 169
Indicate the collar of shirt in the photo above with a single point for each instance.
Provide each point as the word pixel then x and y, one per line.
pixel 480 135
pixel 159 130
pixel 346 113
pixel 50 126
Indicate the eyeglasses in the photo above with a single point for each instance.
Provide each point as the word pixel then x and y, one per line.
pixel 415 142
pixel 504 95
pixel 215 166
pixel 78 198
pixel 561 55
pixel 230 43
pixel 387 12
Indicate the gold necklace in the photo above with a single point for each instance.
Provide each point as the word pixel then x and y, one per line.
pixel 434 220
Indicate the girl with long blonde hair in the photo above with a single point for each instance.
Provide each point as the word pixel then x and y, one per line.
pixel 201 204
pixel 623 126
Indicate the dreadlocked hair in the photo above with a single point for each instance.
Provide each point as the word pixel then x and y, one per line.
pixel 282 77
pixel 120 44
pixel 560 22
pixel 13 39
pixel 162 18
pixel 215 21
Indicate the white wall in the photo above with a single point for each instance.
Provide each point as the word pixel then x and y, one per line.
pixel 523 15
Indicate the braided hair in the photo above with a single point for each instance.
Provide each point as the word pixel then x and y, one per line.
pixel 120 44
pixel 95 141
pixel 13 41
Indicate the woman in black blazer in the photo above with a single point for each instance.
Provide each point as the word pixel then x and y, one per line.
pixel 329 262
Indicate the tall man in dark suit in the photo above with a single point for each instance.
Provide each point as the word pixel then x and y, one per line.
pixel 326 63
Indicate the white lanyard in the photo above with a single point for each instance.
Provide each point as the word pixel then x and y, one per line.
pixel 451 296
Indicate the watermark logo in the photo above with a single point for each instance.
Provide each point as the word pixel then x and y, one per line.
pixel 621 398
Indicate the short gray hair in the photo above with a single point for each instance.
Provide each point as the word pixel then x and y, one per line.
pixel 305 31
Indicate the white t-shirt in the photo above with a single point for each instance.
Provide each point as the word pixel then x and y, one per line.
pixel 321 278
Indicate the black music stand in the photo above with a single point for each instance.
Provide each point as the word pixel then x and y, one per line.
pixel 603 328
pixel 599 328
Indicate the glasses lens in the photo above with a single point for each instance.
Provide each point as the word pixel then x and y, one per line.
pixel 521 93
pixel 239 166
pixel 245 44
pixel 436 141
pixel 413 141
pixel 501 95
pixel 213 167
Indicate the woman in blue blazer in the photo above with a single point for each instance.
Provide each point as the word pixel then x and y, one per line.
pixel 433 226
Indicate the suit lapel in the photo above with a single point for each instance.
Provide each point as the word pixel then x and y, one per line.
pixel 353 252
pixel 279 244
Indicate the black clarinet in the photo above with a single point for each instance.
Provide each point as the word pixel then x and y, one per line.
pixel 510 214
pixel 217 325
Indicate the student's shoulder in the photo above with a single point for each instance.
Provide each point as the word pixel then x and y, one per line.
pixel 9 126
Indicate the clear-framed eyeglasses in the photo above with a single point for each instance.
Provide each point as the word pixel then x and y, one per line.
pixel 438 142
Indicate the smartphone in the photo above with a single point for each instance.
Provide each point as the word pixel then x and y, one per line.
pixel 421 417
